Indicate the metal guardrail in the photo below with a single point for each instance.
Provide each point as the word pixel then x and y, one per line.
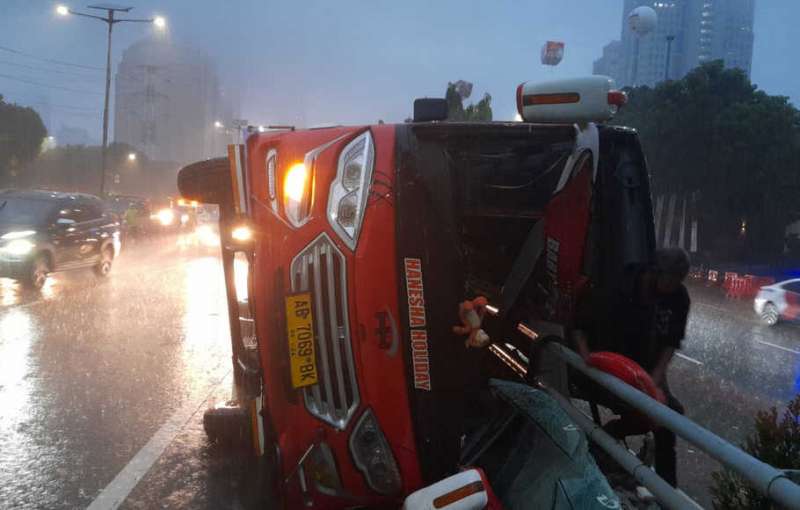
pixel 768 480
pixel 666 495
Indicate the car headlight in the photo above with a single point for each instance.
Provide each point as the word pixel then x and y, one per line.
pixel 166 217
pixel 373 457
pixel 347 199
pixel 297 194
pixel 19 234
pixel 19 247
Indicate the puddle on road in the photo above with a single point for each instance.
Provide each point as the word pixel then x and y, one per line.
pixel 95 367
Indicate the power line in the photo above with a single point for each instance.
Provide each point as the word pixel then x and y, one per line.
pixel 79 109
pixel 59 71
pixel 50 60
pixel 79 114
pixel 48 104
pixel 31 82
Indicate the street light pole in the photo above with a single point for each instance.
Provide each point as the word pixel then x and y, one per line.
pixel 105 105
pixel 110 20
pixel 670 38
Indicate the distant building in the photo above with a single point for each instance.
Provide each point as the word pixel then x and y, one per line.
pixel 689 33
pixel 725 29
pixel 611 63
pixel 166 101
pixel 69 135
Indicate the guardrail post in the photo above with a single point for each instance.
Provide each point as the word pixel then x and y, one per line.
pixel 768 480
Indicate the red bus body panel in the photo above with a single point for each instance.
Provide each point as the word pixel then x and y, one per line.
pixel 371 289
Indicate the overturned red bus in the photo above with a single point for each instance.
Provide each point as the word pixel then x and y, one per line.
pixel 364 241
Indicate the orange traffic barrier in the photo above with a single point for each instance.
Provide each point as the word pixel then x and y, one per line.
pixel 729 279
pixel 740 287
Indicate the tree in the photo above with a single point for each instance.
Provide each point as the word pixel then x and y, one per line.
pixel 774 441
pixel 77 168
pixel 21 135
pixel 455 95
pixel 715 133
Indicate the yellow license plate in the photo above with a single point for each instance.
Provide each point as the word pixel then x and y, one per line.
pixel 300 331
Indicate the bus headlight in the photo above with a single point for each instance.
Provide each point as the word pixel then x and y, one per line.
pixel 242 233
pixel 373 456
pixel 297 194
pixel 349 191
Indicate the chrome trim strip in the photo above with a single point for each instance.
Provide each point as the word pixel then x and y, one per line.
pixel 309 161
pixel 336 338
pixel 337 367
pixel 322 339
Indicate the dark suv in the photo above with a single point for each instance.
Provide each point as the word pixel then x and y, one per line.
pixel 44 231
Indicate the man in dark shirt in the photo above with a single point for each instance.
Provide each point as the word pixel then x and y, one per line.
pixel 647 325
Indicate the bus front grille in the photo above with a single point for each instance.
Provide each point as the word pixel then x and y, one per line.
pixel 321 270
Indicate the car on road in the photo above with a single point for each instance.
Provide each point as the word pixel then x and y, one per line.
pixel 44 231
pixel 174 216
pixel 777 302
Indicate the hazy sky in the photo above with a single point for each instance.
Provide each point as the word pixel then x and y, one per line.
pixel 347 61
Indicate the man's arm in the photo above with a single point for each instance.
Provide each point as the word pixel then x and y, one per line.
pixel 584 320
pixel 660 369
pixel 581 343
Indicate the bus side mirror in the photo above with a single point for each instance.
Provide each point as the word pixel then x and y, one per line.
pixel 208 182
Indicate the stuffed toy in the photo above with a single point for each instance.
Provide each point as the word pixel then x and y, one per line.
pixel 471 314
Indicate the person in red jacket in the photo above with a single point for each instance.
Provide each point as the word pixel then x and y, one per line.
pixel 647 325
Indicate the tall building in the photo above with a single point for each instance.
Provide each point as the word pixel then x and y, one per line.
pixel 611 63
pixel 725 29
pixel 167 99
pixel 688 33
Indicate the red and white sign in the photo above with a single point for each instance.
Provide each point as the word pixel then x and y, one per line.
pixel 417 324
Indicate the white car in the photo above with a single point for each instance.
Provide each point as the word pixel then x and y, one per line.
pixel 779 301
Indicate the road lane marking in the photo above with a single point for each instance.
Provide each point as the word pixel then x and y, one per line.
pixel 779 347
pixel 115 493
pixel 689 359
pixel 714 307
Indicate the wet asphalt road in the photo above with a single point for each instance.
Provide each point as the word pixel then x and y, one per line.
pixel 90 370
pixel 735 368
pixel 94 373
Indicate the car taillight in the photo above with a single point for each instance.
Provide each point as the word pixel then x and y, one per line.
pixel 616 99
pixel 349 191
pixel 373 456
